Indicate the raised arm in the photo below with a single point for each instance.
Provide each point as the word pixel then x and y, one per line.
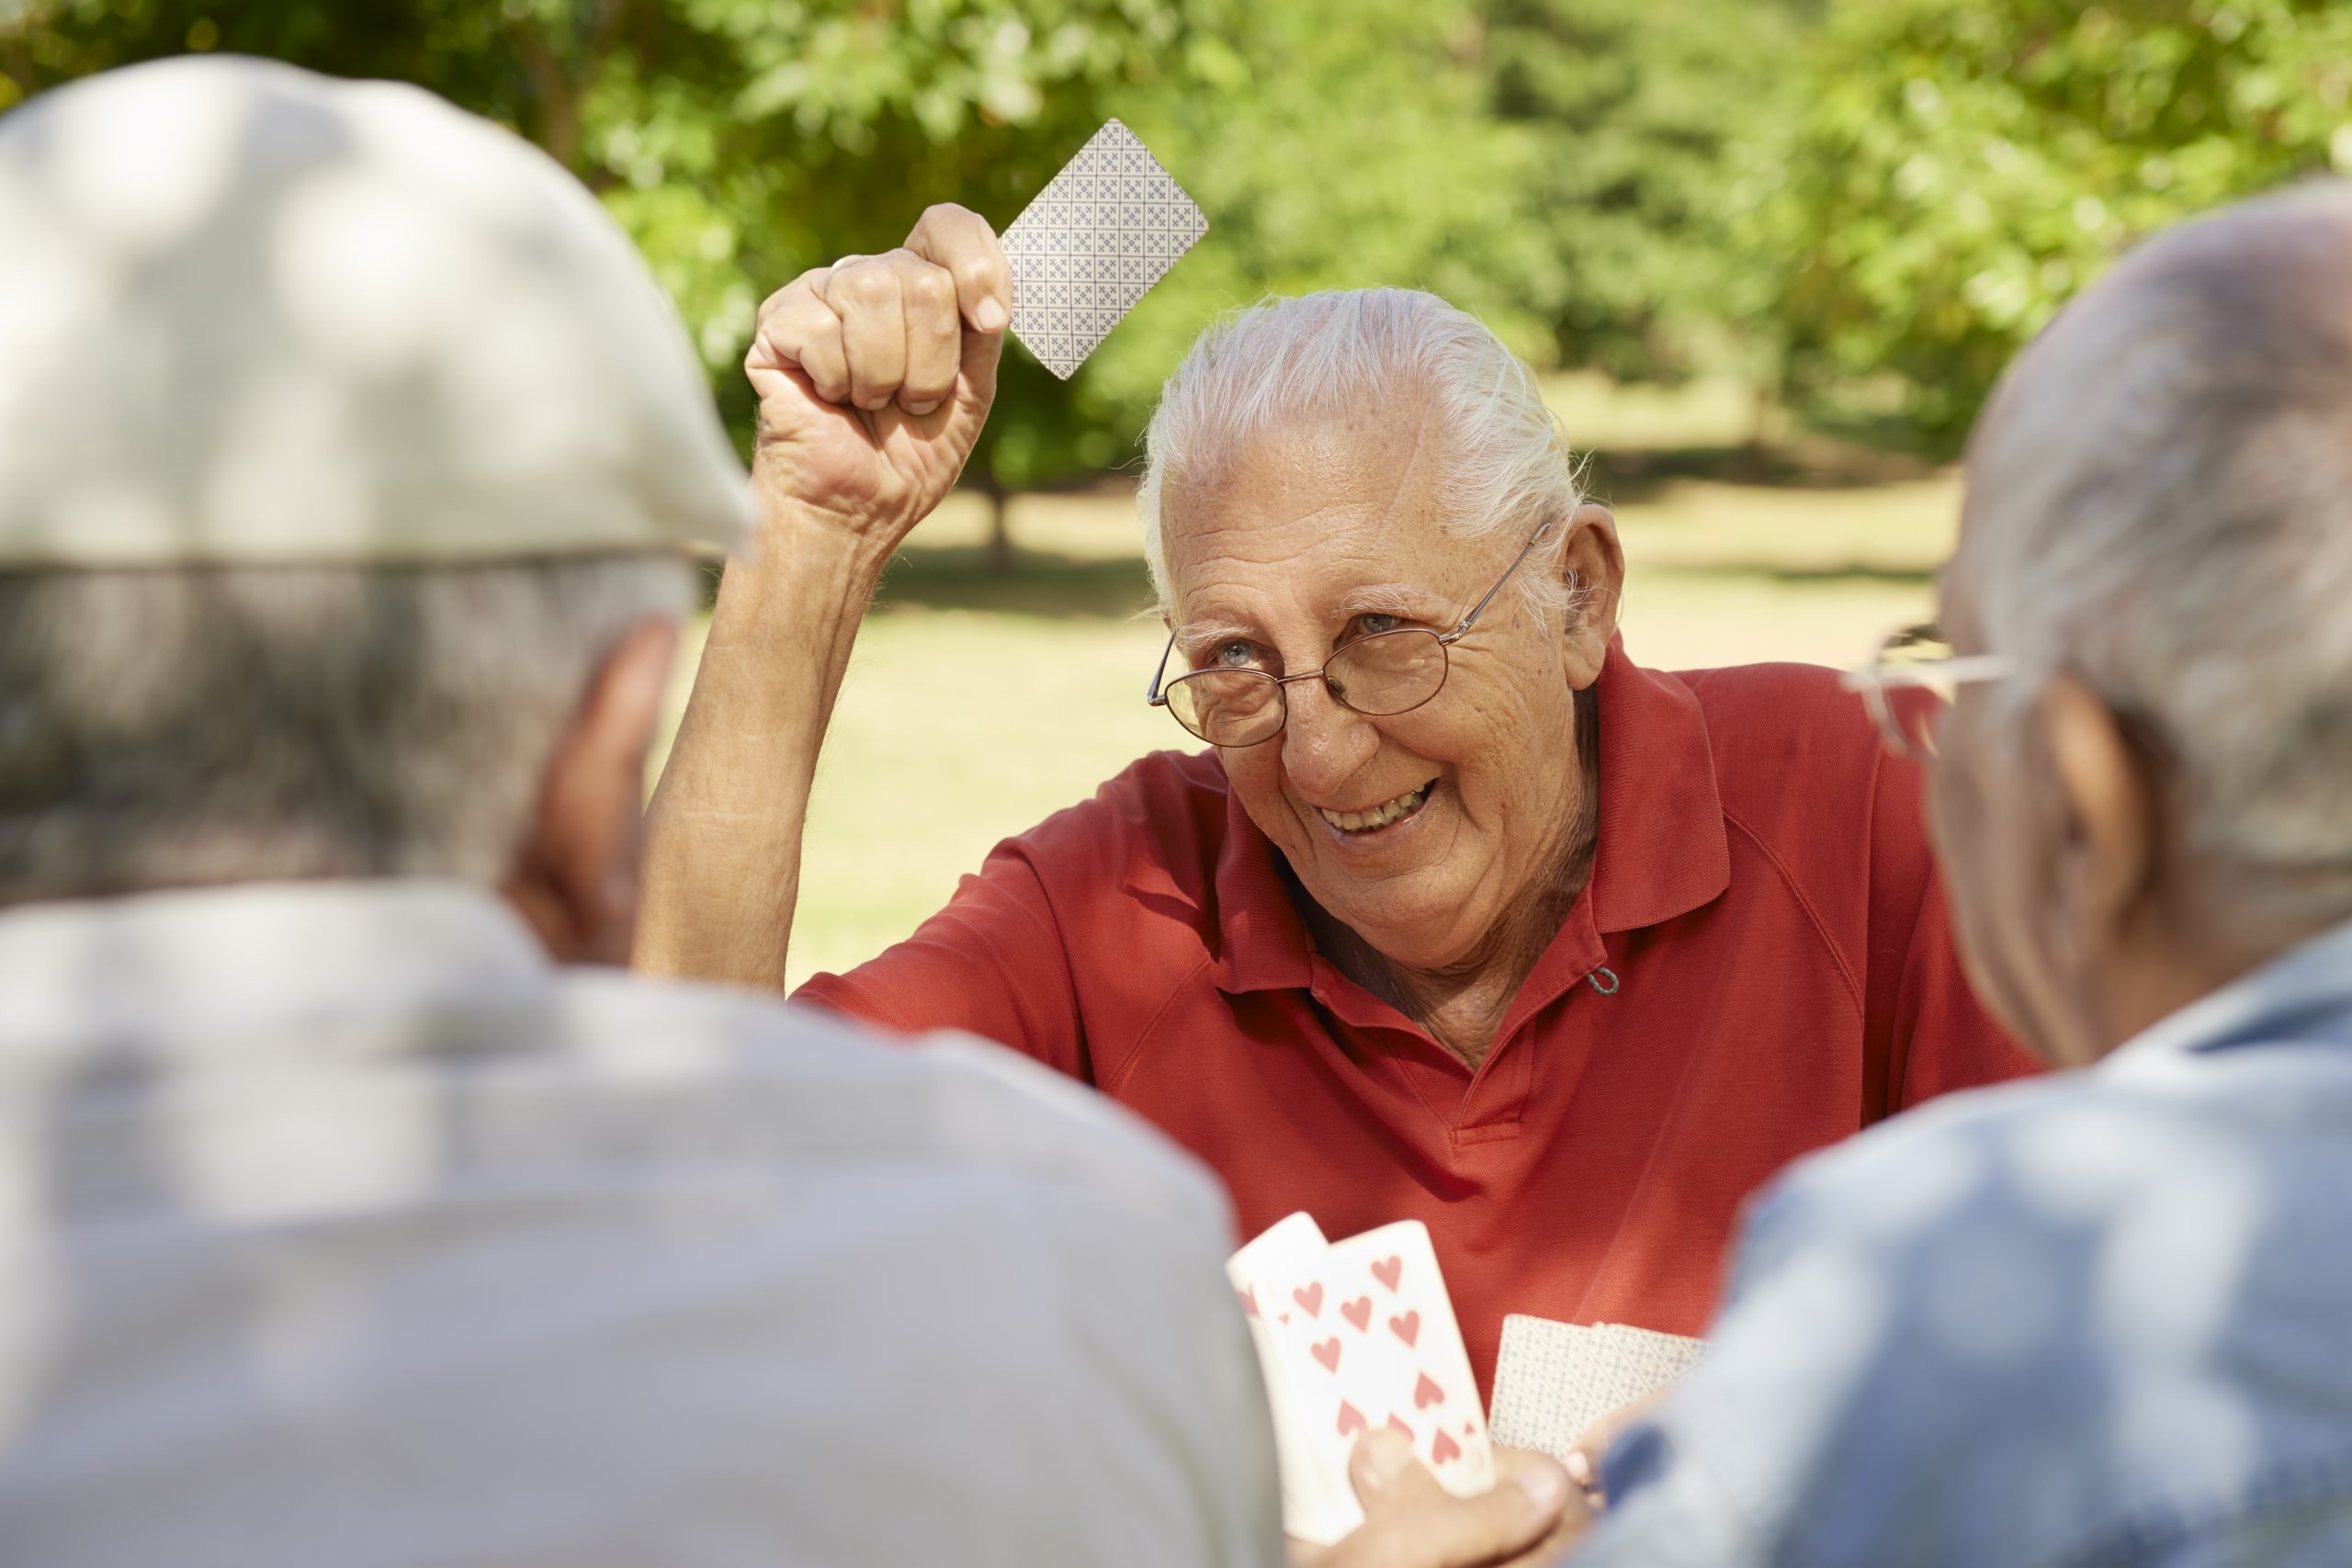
pixel 874 376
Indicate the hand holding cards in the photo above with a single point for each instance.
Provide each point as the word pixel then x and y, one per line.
pixel 1354 1335
pixel 875 374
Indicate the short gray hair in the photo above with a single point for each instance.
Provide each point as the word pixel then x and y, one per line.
pixel 1302 358
pixel 2166 498
pixel 176 727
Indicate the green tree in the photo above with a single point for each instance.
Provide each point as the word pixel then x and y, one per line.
pixel 838 122
pixel 1657 127
pixel 1966 169
pixel 739 142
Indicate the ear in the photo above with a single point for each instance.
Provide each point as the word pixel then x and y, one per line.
pixel 1592 566
pixel 2111 822
pixel 576 879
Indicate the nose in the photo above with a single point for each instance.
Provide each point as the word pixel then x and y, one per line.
pixel 1325 743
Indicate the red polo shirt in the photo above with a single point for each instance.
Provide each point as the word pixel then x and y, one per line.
pixel 1759 966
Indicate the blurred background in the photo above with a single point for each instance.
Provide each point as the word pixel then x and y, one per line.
pixel 1769 254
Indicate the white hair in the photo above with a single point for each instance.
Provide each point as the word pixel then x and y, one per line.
pixel 1304 358
pixel 190 727
pixel 2166 491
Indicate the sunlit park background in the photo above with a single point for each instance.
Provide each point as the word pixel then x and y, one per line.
pixel 1769 255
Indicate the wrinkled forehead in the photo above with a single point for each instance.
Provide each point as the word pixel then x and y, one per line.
pixel 1332 499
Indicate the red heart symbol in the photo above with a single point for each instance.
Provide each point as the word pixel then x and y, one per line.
pixel 1425 1393
pixel 1250 1300
pixel 1444 1449
pixel 1398 1422
pixel 1329 1354
pixel 1388 1270
pixel 1358 1312
pixel 1285 1318
pixel 1310 1298
pixel 1350 1418
pixel 1408 1328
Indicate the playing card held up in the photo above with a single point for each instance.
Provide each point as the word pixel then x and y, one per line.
pixel 1092 243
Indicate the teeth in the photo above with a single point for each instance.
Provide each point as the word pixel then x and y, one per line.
pixel 1379 815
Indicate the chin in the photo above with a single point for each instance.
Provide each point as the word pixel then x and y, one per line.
pixel 1433 938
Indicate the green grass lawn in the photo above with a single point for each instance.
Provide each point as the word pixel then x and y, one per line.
pixel 978 704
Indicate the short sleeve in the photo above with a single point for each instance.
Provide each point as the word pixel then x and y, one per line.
pixel 993 962
pixel 1927 1034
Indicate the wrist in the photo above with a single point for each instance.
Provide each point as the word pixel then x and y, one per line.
pixel 798 537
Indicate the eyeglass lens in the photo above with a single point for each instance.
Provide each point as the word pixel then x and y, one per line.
pixel 1385 673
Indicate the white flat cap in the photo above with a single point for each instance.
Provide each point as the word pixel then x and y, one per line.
pixel 249 315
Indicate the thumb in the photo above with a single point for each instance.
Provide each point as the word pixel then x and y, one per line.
pixel 1410 1521
pixel 977 384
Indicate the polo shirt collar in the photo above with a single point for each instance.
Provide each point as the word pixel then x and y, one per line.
pixel 2305 992
pixel 1660 848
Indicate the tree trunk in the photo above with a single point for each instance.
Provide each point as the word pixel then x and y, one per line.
pixel 999 553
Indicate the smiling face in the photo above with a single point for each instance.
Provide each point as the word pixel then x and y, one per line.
pixel 1422 831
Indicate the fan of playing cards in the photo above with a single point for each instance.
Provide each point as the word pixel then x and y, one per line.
pixel 1353 1335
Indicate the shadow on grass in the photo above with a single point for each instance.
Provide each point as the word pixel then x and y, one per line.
pixel 1871 573
pixel 1041 583
pixel 1050 584
pixel 1639 475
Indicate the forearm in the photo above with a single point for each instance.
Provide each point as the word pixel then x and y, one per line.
pixel 722 861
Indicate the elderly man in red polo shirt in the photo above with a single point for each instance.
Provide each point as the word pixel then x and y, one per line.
pixel 1463 916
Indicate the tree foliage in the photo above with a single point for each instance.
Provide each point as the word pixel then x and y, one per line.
pixel 1966 169
pixel 1876 200
pixel 1656 127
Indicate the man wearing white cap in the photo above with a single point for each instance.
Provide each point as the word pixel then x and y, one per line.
pixel 350 470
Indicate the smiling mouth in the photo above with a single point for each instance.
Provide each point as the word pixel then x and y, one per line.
pixel 1385 814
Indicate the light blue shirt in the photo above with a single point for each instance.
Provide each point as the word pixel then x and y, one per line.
pixel 2104 1317
pixel 340 1229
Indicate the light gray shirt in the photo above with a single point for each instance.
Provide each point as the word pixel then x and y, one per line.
pixel 337 1226
pixel 2101 1318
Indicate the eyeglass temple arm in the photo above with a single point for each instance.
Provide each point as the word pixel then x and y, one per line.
pixel 1151 694
pixel 1964 672
pixel 1479 608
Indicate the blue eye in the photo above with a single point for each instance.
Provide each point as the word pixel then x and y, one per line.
pixel 1374 625
pixel 1237 654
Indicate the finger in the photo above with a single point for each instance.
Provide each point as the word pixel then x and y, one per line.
pixel 797 329
pixel 1410 1521
pixel 934 331
pixel 866 295
pixel 1511 1467
pixel 961 241
pixel 1592 1445
pixel 1381 1459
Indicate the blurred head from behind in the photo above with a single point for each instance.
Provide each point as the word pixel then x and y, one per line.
pixel 350 468
pixel 1326 469
pixel 2158 535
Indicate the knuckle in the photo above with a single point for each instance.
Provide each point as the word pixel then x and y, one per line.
pixel 870 285
pixel 930 286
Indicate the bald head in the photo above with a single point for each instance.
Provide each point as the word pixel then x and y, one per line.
pixel 2160 500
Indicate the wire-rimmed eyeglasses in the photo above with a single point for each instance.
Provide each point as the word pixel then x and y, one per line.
pixel 1380 674
pixel 1920 657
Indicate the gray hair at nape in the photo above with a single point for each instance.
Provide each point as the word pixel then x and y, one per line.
pixel 2161 501
pixel 194 727
pixel 1302 358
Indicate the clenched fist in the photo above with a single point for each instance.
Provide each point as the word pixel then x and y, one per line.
pixel 874 377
